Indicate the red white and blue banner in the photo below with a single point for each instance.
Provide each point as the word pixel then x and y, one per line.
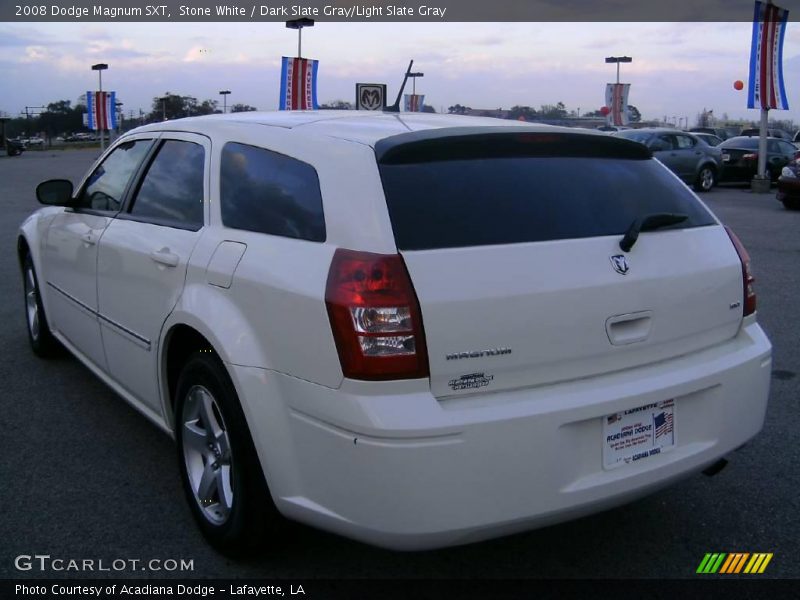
pixel 299 84
pixel 413 102
pixel 766 89
pixel 617 102
pixel 102 110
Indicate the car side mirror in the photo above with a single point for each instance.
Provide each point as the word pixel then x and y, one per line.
pixel 54 192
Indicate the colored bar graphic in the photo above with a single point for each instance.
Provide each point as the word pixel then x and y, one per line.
pixel 741 562
pixel 733 563
pixel 731 560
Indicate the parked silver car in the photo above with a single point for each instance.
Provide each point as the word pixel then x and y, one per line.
pixel 683 153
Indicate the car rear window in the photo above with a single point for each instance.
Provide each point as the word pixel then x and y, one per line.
pixel 740 142
pixel 443 195
pixel 271 193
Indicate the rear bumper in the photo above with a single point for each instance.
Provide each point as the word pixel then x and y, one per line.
pixel 388 464
pixel 788 189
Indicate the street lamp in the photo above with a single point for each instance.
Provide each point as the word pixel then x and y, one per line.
pixel 100 67
pixel 299 24
pixel 618 59
pixel 224 94
pixel 414 81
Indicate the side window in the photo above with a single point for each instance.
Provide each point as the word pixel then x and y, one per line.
pixel 107 183
pixel 271 193
pixel 787 148
pixel 684 142
pixel 772 146
pixel 171 191
pixel 661 143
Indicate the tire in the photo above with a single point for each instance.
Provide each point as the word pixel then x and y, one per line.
pixel 43 344
pixel 220 471
pixel 791 204
pixel 706 179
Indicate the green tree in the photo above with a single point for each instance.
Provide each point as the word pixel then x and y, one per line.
pixel 337 105
pixel 549 111
pixel 242 108
pixel 206 107
pixel 522 113
pixel 633 114
pixel 457 109
pixel 175 106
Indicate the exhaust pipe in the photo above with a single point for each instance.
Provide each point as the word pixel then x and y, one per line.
pixel 715 468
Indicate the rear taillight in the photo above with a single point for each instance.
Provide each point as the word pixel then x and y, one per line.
pixel 375 317
pixel 750 156
pixel 747 275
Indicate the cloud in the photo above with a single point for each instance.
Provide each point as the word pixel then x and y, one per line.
pixel 36 54
pixel 20 38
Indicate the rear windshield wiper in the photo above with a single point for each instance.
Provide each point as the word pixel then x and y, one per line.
pixel 649 223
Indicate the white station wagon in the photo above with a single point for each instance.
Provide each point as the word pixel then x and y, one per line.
pixel 414 330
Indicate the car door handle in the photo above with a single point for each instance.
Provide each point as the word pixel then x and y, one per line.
pixel 89 238
pixel 165 257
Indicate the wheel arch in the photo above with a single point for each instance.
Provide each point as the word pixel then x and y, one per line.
pixel 179 343
pixel 23 250
pixel 708 163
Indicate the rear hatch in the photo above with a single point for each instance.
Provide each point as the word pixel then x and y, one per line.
pixel 511 240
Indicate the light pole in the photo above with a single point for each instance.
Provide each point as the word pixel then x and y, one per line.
pixel 414 81
pixel 299 24
pixel 164 107
pixel 414 86
pixel 224 94
pixel 618 59
pixel 100 67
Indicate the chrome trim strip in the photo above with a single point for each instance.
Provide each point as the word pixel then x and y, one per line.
pixel 136 337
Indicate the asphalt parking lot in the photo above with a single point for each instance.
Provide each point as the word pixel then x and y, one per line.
pixel 83 476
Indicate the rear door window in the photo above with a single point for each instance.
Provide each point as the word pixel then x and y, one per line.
pixel 457 198
pixel 171 192
pixel 270 193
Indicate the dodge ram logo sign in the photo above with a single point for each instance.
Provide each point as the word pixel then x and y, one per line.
pixel 620 264
pixel 370 96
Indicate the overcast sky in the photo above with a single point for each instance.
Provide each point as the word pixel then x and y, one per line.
pixel 678 68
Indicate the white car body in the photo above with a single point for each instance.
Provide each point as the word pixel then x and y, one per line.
pixel 415 463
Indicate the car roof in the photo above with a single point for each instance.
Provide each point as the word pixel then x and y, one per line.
pixel 366 127
pixel 658 130
pixel 751 137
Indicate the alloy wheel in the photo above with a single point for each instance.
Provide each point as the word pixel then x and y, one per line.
pixel 32 303
pixel 706 179
pixel 207 454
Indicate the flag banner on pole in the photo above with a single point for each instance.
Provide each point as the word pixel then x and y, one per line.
pixel 102 110
pixel 766 89
pixel 617 102
pixel 413 102
pixel 299 84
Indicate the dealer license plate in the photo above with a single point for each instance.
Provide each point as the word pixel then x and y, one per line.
pixel 638 433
